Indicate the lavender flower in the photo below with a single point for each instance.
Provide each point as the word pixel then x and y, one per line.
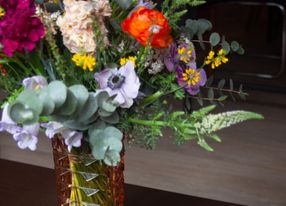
pixel 191 78
pixel 122 83
pixel 72 138
pixel 171 57
pixel 26 136
pixel 35 82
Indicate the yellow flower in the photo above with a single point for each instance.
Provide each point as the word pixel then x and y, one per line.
pixel 191 76
pixel 123 60
pixel 2 12
pixel 185 54
pixel 216 61
pixel 84 61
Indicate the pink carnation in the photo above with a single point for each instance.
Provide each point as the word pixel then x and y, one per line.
pixel 19 28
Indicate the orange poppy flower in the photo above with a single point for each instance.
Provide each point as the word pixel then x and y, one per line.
pixel 147 25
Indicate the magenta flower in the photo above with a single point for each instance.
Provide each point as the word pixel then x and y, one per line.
pixel 122 83
pixel 19 28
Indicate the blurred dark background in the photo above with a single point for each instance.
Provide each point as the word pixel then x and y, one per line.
pixel 260 27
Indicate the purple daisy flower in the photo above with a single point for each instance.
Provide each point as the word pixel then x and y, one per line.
pixel 186 53
pixel 191 78
pixel 122 83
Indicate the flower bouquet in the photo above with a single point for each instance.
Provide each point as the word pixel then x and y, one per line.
pixel 92 73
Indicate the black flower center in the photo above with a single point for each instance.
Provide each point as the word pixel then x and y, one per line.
pixel 115 81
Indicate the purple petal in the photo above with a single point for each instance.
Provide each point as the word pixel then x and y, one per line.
pixel 32 129
pixel 26 140
pixel 193 90
pixel 5 117
pixel 35 82
pixel 72 138
pixel 103 76
pixel 203 77
pixel 52 128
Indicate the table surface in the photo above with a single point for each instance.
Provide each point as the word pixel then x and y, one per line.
pixel 26 185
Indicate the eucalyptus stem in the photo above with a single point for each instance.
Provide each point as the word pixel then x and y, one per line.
pixel 225 90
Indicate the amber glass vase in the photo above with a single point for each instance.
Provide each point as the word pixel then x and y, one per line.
pixel 83 181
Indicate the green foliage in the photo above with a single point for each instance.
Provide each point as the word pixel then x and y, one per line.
pixel 106 143
pixel 223 90
pixel 199 125
pixel 167 83
pixel 125 4
pixel 197 28
pixel 72 106
pixel 214 39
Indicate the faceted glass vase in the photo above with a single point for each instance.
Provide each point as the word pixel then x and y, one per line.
pixel 83 181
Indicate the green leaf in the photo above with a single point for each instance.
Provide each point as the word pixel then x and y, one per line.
pixel 48 104
pixel 215 137
pixel 89 109
pixel 113 119
pixel 221 84
pixel 70 105
pixel 210 81
pixel 226 47
pixel 222 98
pixel 214 39
pixel 81 94
pixel 241 51
pixel 125 4
pixel 192 25
pixel 231 84
pixel 58 92
pixel 234 46
pixel 205 145
pixel 211 94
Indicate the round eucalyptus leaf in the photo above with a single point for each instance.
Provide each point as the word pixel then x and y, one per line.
pixel 204 25
pixel 98 126
pixel 192 25
pixel 31 101
pixel 89 109
pixel 111 131
pixel 99 150
pixel 48 104
pixel 81 94
pixel 234 46
pixel 112 158
pixel 241 51
pixel 75 125
pixel 226 47
pixel 103 113
pixel 113 119
pixel 102 97
pixel 20 114
pixel 58 93
pixel 108 106
pixel 70 105
pixel 214 39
